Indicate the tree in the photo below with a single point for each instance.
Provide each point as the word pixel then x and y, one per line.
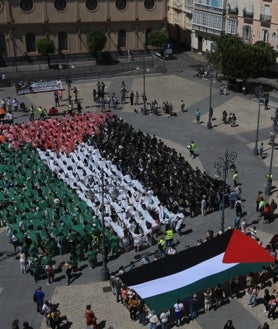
pixel 238 60
pixel 263 56
pixel 45 47
pixel 157 38
pixel 96 41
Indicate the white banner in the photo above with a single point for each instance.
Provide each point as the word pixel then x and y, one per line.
pixel 37 87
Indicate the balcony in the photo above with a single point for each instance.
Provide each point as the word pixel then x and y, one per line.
pixel 265 18
pixel 233 11
pixel 220 11
pixel 248 14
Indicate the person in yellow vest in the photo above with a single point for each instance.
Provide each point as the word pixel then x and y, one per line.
pixel 169 236
pixel 235 178
pixel 70 108
pixel 192 147
pixel 162 248
pixel 31 113
pixel 41 112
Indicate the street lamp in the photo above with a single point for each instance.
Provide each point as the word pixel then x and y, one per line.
pixel 144 96
pixel 268 187
pixel 11 35
pixel 68 82
pixel 210 113
pixel 224 164
pixel 90 182
pixel 259 93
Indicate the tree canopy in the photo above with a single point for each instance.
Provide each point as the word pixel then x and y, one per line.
pixel 96 41
pixel 45 47
pixel 157 38
pixel 238 60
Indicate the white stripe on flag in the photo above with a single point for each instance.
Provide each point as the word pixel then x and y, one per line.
pixel 184 278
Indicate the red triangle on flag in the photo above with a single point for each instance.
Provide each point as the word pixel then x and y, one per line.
pixel 243 249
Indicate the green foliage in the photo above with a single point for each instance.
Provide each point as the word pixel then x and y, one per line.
pixel 238 60
pixel 45 46
pixel 157 38
pixel 96 41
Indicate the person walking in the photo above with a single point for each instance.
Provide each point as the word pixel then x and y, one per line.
pixel 192 147
pixel 131 97
pixel 197 116
pixel 229 325
pixel 39 298
pixel 261 150
pixel 50 271
pixel 91 319
pixel 137 98
pixel 182 106
pixel 22 261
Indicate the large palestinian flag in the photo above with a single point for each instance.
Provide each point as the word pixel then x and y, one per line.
pixel 177 276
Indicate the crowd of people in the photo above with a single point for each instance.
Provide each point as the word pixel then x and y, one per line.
pixel 188 309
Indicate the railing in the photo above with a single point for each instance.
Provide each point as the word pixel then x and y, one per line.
pixel 84 72
pixel 233 11
pixel 265 18
pixel 248 13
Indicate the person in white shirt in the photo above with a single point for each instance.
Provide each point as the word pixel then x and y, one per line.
pixel 178 309
pixel 164 316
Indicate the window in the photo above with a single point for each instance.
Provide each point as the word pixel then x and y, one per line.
pixel 267 10
pixel 275 39
pixel 177 18
pixel 121 4
pixel 232 26
pixel 149 4
pixel 233 4
pixel 91 4
pixel 26 5
pixel 30 42
pixel 2 45
pixel 208 20
pixel 265 35
pixel 122 38
pixel 60 4
pixel 246 33
pixel 63 41
pixel 249 8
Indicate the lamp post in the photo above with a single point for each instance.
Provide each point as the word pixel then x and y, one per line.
pixel 259 92
pixel 210 113
pixel 268 187
pixel 224 164
pixel 144 96
pixel 68 81
pixel 89 182
pixel 11 35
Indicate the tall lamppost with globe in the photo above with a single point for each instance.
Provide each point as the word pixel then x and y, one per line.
pixel 92 182
pixel 225 164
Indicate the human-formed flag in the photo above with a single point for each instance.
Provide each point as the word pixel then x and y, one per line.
pixel 178 276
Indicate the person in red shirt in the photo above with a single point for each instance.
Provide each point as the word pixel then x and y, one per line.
pixel 90 317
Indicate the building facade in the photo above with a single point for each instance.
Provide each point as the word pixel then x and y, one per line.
pixel 200 22
pixel 254 21
pixel 67 22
